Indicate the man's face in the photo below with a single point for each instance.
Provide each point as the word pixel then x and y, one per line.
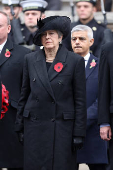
pixel 4 28
pixel 85 10
pixel 31 18
pixel 16 9
pixel 81 43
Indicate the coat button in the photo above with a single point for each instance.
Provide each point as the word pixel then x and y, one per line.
pixel 22 29
pixel 53 119
pixel 60 82
pixel 34 118
pixel 34 80
pixel 37 99
pixel 53 102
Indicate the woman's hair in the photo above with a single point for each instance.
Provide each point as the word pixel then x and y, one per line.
pixel 59 34
pixel 8 20
pixel 83 28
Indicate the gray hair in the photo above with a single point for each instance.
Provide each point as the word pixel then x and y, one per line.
pixel 83 28
pixel 59 33
pixel 8 20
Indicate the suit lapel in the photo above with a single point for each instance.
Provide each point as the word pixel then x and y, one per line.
pixel 41 70
pixel 9 46
pixel 88 69
pixel 60 58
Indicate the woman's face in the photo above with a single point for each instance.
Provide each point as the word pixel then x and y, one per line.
pixel 50 39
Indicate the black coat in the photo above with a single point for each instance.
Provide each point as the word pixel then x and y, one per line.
pixel 11 154
pixel 53 106
pixel 106 84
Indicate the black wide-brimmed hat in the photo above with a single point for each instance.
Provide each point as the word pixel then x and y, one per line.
pixel 58 23
pixel 91 1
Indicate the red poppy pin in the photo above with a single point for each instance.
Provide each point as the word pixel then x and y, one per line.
pixel 92 64
pixel 5 101
pixel 8 53
pixel 58 67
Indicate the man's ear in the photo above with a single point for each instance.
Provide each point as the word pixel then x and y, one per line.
pixel 9 29
pixel 20 9
pixel 91 42
pixel 94 9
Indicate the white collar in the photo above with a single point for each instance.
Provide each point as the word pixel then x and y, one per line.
pixel 2 45
pixel 86 58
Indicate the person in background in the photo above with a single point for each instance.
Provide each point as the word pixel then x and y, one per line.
pixel 7 9
pixel 33 11
pixel 94 151
pixel 105 118
pixel 52 106
pixel 11 66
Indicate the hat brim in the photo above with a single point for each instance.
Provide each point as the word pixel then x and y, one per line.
pixel 28 5
pixel 60 23
pixel 93 3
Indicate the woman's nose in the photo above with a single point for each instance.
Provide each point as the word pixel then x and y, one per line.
pixel 47 35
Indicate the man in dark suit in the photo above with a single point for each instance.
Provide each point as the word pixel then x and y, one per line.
pixel 94 151
pixel 11 63
pixel 105 118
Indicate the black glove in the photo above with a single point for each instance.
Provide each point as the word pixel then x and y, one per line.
pixel 21 137
pixel 77 143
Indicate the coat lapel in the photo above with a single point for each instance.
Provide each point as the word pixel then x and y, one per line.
pixel 9 46
pixel 60 58
pixel 88 69
pixel 41 69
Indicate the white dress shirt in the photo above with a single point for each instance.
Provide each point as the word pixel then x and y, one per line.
pixel 2 45
pixel 86 58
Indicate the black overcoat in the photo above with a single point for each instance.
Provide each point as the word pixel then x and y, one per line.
pixel 106 84
pixel 53 105
pixel 11 68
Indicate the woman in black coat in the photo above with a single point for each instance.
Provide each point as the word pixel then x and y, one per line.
pixel 52 106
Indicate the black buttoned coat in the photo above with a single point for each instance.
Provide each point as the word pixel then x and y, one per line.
pixel 11 151
pixel 106 84
pixel 52 109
